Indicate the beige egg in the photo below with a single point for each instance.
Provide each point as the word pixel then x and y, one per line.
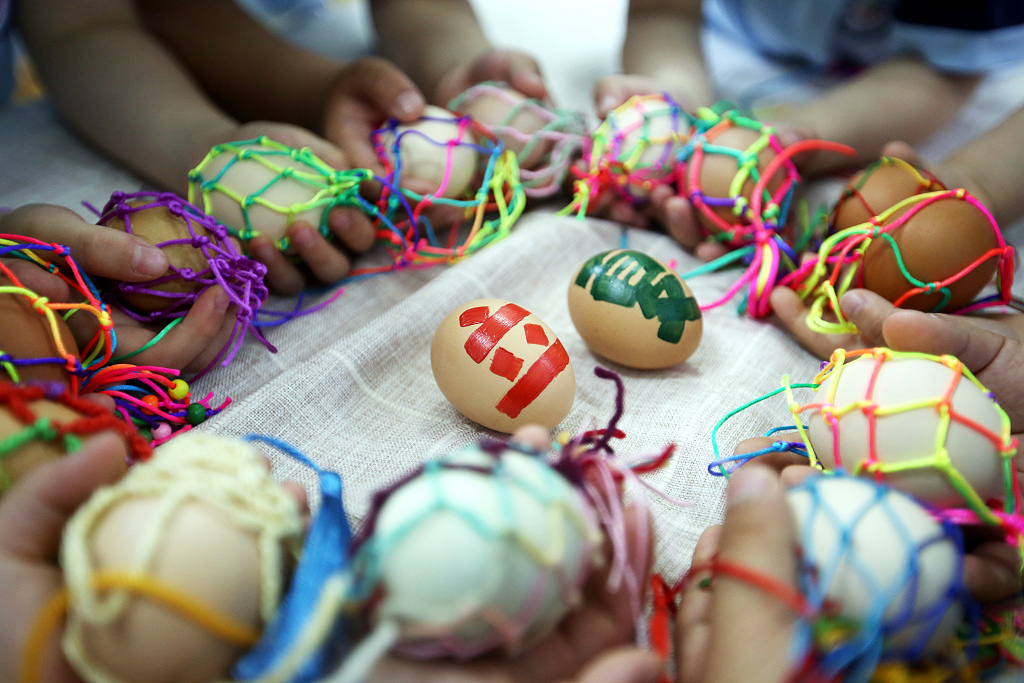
pixel 426 150
pixel 202 554
pixel 202 518
pixel 905 436
pixel 157 225
pixel 632 309
pixel 645 134
pixel 278 201
pixel 502 110
pixel 502 367
pixel 17 463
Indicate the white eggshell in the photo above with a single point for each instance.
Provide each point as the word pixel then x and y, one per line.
pixel 860 550
pixel 248 177
pixel 424 153
pixel 634 310
pixel 517 374
pixel 646 132
pixel 476 559
pixel 494 108
pixel 908 435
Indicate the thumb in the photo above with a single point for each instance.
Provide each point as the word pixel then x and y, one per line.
pixel 34 512
pixel 757 535
pixel 868 311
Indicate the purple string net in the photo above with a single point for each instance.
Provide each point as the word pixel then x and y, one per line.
pixel 202 255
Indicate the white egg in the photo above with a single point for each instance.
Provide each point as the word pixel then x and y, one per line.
pixel 644 134
pixel 440 143
pixel 902 394
pixel 478 552
pixel 882 560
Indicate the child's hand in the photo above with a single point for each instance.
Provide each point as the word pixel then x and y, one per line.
pixel 612 91
pixel 105 253
pixel 32 517
pixel 364 94
pixel 327 261
pixel 758 533
pixel 518 69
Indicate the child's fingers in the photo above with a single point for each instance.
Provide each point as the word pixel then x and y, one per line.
pixel 99 251
pixel 792 314
pixel 33 513
pixel 34 278
pixel 624 665
pixel 757 534
pixel 352 227
pixel 533 436
pixel 282 277
pixel 326 262
pixel 193 342
pixel 992 571
pixel 384 86
pixel 868 311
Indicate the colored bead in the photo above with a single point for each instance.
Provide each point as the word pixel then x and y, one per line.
pixel 145 433
pixel 179 390
pixel 162 431
pixel 152 401
pixel 196 414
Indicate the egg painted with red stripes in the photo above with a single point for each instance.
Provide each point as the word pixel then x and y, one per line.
pixel 502 367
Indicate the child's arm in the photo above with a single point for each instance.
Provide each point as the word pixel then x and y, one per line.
pixel 991 167
pixel 900 99
pixel 662 52
pixel 440 44
pixel 119 88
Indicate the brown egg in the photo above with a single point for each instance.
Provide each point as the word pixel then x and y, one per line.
pixel 494 107
pixel 502 367
pixel 16 464
pixel 717 171
pixel 939 239
pixel 884 183
pixel 26 333
pixel 156 225
pixel 632 309
pixel 252 177
pixel 423 151
pixel 196 534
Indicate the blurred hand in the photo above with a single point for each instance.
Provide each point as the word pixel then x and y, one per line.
pixel 518 69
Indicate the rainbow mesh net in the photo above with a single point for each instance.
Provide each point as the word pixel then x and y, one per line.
pixel 558 143
pixel 988 640
pixel 838 265
pixel 240 277
pixel 403 218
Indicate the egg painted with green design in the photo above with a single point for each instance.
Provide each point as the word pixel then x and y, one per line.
pixel 634 310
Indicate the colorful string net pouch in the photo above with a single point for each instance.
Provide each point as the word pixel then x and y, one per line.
pixel 260 187
pixel 489 547
pixel 39 423
pixel 36 343
pixel 176 568
pixel 449 189
pixel 906 254
pixel 545 140
pixel 202 254
pixel 741 182
pixel 635 150
pixel 923 425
